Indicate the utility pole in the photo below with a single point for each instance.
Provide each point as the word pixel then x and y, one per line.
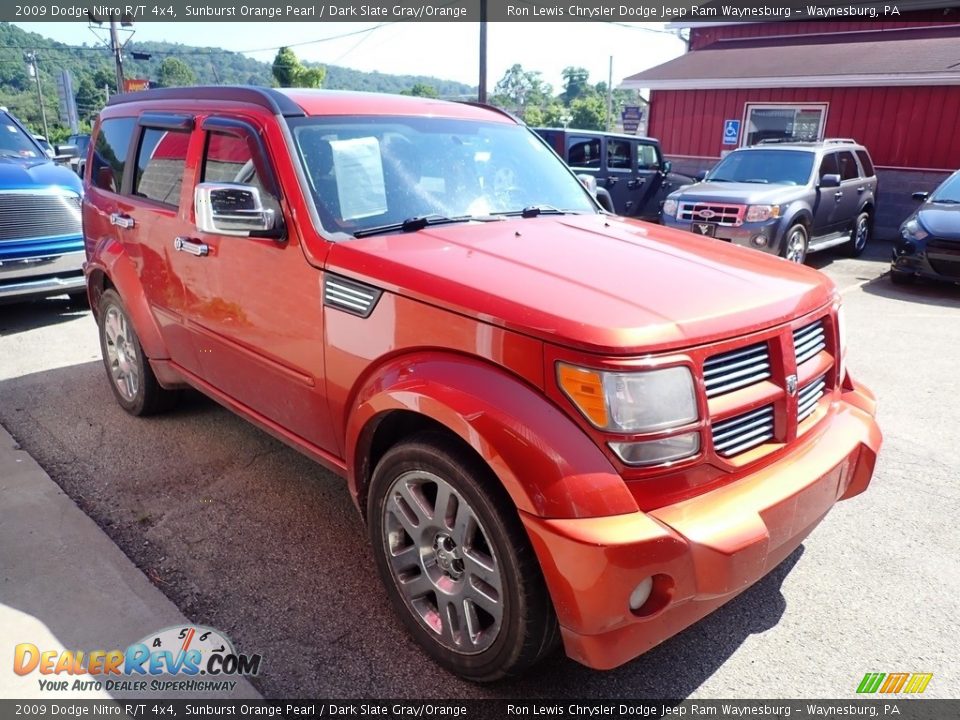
pixel 482 90
pixel 31 58
pixel 610 96
pixel 117 55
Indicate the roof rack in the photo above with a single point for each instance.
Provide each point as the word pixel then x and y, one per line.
pixel 839 141
pixel 269 98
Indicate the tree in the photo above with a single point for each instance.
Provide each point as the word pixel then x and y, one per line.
pixel 290 72
pixel 90 98
pixel 105 77
pixel 421 90
pixel 575 84
pixel 519 90
pixel 588 113
pixel 175 73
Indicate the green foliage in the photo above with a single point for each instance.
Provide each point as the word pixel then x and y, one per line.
pixel 575 84
pixel 588 113
pixel 288 71
pixel 175 73
pixel 421 90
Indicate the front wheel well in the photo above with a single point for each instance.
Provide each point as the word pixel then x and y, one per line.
pixel 97 283
pixel 385 432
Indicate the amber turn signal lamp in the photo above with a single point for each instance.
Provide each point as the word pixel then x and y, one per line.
pixel 585 389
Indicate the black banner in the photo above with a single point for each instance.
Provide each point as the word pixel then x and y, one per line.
pixel 894 707
pixel 464 10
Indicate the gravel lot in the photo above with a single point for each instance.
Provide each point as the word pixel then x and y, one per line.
pixel 248 536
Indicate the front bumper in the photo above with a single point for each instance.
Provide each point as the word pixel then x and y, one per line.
pixel 701 552
pixel 42 276
pixel 936 260
pixel 745 234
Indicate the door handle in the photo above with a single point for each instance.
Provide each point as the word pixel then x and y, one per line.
pixel 838 194
pixel 635 183
pixel 861 189
pixel 186 245
pixel 121 220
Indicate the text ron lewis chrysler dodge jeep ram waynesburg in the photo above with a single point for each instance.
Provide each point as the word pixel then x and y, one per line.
pixel 559 425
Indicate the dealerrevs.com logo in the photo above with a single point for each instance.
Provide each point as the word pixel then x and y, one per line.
pixel 189 658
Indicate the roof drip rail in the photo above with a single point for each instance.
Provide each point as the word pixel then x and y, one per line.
pixel 494 108
pixel 269 98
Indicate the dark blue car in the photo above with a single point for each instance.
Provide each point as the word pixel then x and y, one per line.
pixel 929 244
pixel 41 242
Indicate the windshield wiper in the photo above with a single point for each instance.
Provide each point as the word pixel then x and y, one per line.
pixel 419 222
pixel 945 201
pixel 757 181
pixel 710 179
pixel 532 211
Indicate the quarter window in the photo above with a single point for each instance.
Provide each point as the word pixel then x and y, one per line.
pixel 848 166
pixel 784 123
pixel 110 153
pixel 618 155
pixel 584 153
pixel 160 162
pixel 866 163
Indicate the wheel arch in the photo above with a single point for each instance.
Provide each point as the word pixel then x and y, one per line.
pixel 543 460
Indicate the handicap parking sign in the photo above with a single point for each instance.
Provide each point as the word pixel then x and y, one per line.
pixel 731 132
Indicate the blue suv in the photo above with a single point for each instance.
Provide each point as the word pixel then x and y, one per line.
pixel 41 239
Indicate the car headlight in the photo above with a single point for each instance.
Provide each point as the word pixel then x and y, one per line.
pixel 631 402
pixel 913 230
pixel 759 213
pixel 669 207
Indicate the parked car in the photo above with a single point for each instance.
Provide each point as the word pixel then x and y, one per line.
pixel 785 199
pixel 559 425
pixel 81 142
pixel 631 174
pixel 45 146
pixel 41 242
pixel 929 244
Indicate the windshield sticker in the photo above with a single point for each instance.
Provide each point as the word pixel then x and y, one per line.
pixel 359 170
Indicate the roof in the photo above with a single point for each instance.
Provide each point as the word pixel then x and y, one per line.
pixel 853 63
pixel 596 133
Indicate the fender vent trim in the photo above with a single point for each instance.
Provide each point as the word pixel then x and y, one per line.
pixel 350 296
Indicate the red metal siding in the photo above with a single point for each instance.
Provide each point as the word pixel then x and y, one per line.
pixel 701 37
pixel 913 127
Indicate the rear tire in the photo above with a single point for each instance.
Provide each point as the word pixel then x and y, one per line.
pixel 456 563
pixel 794 247
pixel 860 236
pixel 130 375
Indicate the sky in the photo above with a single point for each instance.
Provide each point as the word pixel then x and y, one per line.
pixel 445 50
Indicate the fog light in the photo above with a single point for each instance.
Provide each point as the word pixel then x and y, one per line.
pixel 641 594
pixel 656 452
pixel 759 240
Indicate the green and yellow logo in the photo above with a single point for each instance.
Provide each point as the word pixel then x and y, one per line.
pixel 894 683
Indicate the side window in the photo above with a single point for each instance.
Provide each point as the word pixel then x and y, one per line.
pixel 228 159
pixel 648 158
pixel 618 155
pixel 160 161
pixel 828 166
pixel 866 163
pixel 848 166
pixel 584 153
pixel 110 153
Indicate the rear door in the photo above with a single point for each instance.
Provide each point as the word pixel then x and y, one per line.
pixel 652 181
pixel 620 167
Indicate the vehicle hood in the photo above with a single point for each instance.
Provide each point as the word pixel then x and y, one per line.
pixel 942 221
pixel 26 173
pixel 604 284
pixel 739 193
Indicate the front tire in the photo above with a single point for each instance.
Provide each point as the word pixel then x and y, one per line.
pixel 794 246
pixel 898 277
pixel 130 375
pixel 456 562
pixel 860 237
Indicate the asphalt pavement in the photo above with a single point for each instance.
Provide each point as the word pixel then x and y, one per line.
pixel 245 535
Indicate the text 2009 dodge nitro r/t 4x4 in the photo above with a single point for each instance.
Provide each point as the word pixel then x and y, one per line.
pixel 558 424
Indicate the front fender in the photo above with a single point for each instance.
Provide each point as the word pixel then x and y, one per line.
pixel 110 258
pixel 549 467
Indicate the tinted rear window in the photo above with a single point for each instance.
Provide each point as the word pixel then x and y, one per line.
pixel 110 153
pixel 848 166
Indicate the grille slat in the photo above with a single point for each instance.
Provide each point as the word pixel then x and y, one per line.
pixel 740 433
pixel 809 397
pixel 27 216
pixel 739 368
pixel 809 341
pixel 729 215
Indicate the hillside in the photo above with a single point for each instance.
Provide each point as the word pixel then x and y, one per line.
pixel 92 67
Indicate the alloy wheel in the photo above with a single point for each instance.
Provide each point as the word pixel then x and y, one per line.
pixel 121 353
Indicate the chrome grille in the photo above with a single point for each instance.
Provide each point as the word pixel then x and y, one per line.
pixel 809 396
pixel 711 212
pixel 729 371
pixel 38 215
pixel 809 341
pixel 740 433
pixel 349 295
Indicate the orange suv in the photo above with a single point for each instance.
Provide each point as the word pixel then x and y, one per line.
pixel 560 426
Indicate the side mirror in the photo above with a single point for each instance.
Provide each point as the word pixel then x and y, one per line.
pixel 700 176
pixel 921 196
pixel 830 181
pixel 667 167
pixel 589 182
pixel 66 152
pixel 233 209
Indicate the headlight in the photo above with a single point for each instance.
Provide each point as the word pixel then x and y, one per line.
pixel 669 207
pixel 631 402
pixel 913 230
pixel 759 213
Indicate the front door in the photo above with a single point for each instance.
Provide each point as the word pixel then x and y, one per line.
pixel 260 327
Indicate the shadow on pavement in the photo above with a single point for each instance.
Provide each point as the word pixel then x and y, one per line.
pixel 251 538
pixel 925 292
pixel 20 317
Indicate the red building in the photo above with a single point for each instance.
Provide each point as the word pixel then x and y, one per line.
pixel 892 85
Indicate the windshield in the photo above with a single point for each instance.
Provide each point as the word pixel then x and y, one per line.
pixel 781 167
pixel 370 172
pixel 949 191
pixel 14 142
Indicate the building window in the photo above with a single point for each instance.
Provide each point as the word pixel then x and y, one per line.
pixel 784 123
